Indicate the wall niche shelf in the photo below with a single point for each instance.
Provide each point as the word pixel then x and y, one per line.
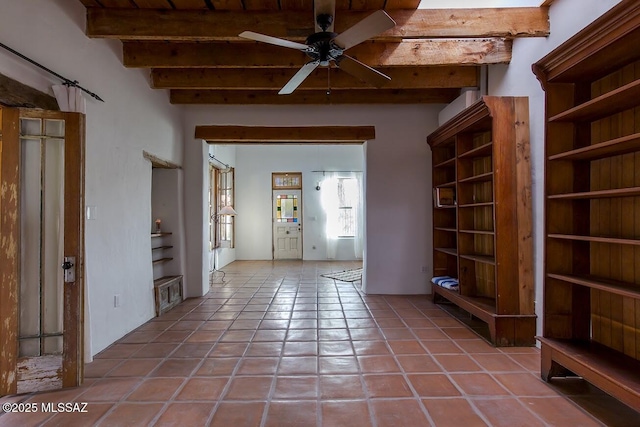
pixel 167 289
pixel 160 234
pixel 485 241
pixel 592 205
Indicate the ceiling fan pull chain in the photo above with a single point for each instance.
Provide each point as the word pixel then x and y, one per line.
pixel 329 80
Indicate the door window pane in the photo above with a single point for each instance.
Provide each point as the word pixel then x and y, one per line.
pixel 42 227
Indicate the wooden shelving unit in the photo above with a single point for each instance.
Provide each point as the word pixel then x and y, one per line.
pixel 167 288
pixel 592 207
pixel 485 239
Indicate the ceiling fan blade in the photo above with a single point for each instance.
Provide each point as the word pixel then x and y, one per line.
pixel 272 40
pixel 374 24
pixel 299 77
pixel 362 71
pixel 324 7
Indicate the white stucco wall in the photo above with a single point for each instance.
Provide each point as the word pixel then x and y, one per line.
pixel 567 17
pixel 133 118
pixel 397 186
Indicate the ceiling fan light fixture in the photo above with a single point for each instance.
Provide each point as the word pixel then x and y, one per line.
pixel 321 47
pixel 325 46
pixel 324 21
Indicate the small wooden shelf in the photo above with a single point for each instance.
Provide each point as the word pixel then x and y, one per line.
pixel 477 205
pixel 483 308
pixel 446 184
pixel 453 230
pixel 605 105
pixel 446 164
pixel 158 248
pixel 165 279
pixel 503 329
pixel 614 147
pixel 477 178
pixel 161 260
pixel 479 258
pixel 596 239
pixel 482 151
pixel 618 288
pixel 160 234
pixel 448 251
pixel 611 371
pixel 445 207
pixel 482 232
pixel 598 194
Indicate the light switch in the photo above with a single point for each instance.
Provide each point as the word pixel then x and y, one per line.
pixel 92 212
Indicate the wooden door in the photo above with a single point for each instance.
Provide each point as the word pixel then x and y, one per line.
pixel 41 250
pixel 287 224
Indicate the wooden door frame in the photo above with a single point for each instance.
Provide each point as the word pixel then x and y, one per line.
pixel 74 153
pixel 9 244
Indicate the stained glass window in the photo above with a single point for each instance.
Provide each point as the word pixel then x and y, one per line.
pixel 286 208
pixel 287 180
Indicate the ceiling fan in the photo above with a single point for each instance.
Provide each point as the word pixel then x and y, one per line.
pixel 325 46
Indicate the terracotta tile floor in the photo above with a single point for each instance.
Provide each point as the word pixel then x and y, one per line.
pixel 278 345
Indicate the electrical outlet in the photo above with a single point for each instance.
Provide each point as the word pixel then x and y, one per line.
pixel 424 269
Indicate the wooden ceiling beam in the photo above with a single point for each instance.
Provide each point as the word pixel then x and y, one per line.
pixel 90 3
pixel 127 4
pixel 151 54
pixel 16 94
pixel 211 25
pixel 153 4
pixel 371 96
pixel 276 78
pixel 190 4
pixel 286 134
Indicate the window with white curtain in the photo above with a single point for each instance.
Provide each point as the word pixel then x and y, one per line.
pixel 348 196
pixel 342 201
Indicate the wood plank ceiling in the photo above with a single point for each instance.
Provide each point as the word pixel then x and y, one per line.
pixel 192 48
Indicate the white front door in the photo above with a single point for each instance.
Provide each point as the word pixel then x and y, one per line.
pixel 287 224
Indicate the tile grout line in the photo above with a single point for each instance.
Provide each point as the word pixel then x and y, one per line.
pixel 470 398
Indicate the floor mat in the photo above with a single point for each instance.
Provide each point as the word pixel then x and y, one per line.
pixel 345 276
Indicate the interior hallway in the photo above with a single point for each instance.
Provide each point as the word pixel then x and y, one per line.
pixel 278 345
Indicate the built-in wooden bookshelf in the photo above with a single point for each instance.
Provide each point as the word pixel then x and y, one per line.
pixel 167 288
pixel 591 321
pixel 484 239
